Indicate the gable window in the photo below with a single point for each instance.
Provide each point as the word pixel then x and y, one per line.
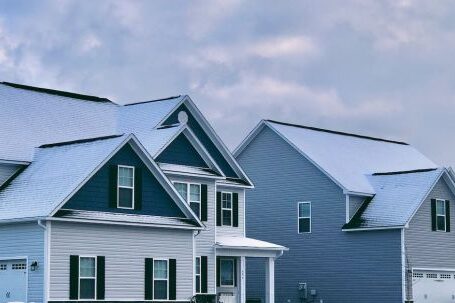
pixel 191 193
pixel 226 208
pixel 227 272
pixel 197 272
pixel 161 279
pixel 87 278
pixel 304 217
pixel 441 215
pixel 125 188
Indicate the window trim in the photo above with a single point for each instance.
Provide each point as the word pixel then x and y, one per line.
pixel 444 215
pixel 188 194
pixel 310 217
pixel 128 187
pixel 233 272
pixel 227 209
pixel 95 278
pixel 198 275
pixel 160 279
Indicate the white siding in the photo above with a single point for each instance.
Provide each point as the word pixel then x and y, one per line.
pixel 234 231
pixel 125 249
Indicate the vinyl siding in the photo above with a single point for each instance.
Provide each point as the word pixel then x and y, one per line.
pixel 342 267
pixel 230 230
pixel 125 249
pixel 26 240
pixel 181 152
pixel 6 171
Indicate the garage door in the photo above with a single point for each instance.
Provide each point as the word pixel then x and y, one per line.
pixel 13 277
pixel 433 286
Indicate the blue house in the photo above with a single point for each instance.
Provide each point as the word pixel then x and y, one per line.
pixel 365 219
pixel 101 202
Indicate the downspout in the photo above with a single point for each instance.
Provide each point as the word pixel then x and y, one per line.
pixel 40 223
pixel 46 260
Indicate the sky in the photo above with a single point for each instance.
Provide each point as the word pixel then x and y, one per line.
pixel 378 68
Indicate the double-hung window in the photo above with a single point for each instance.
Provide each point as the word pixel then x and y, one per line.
pixel 304 217
pixel 125 188
pixel 441 215
pixel 160 279
pixel 226 208
pixel 190 192
pixel 197 272
pixel 87 277
pixel 227 272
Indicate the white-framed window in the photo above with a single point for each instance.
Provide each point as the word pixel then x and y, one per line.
pixel 441 220
pixel 197 274
pixel 87 277
pixel 227 272
pixel 226 209
pixel 160 279
pixel 304 217
pixel 125 187
pixel 191 193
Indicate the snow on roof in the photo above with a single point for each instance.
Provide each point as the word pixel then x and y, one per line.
pixel 349 158
pixel 200 171
pixel 234 242
pixel 397 198
pixel 154 140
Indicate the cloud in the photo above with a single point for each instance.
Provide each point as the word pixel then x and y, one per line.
pixel 284 46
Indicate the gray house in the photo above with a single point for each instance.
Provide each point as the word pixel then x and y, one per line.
pixel 134 203
pixel 365 219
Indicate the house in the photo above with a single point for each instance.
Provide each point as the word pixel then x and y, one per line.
pixel 365 219
pixel 106 202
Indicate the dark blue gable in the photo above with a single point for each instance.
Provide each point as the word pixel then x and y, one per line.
pixel 94 195
pixel 182 152
pixel 205 140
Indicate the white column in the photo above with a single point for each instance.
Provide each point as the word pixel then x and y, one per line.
pixel 270 280
pixel 242 280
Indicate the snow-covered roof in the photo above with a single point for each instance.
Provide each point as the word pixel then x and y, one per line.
pixel 348 159
pixel 191 170
pixel 397 198
pixel 237 242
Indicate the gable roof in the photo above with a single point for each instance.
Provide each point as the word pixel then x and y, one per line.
pixel 346 158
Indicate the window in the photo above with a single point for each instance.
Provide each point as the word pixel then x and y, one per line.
pixel 87 278
pixel 197 272
pixel 18 266
pixel 440 215
pixel 192 196
pixel 304 217
pixel 226 209
pixel 125 188
pixel 160 279
pixel 227 272
pixel 3 267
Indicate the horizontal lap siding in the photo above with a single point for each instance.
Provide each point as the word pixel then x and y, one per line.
pixel 125 249
pixel 341 267
pixel 230 230
pixel 26 240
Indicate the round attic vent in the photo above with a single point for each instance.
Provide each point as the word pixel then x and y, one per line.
pixel 183 117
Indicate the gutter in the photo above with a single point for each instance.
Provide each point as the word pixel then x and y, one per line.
pixel 374 228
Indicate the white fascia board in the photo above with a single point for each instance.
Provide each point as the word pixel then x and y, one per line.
pixel 14 162
pixel 374 228
pixel 21 220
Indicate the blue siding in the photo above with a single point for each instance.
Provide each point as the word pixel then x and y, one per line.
pixel 94 195
pixel 342 267
pixel 26 240
pixel 181 152
pixel 205 140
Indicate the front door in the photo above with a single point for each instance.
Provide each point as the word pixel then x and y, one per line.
pixel 13 281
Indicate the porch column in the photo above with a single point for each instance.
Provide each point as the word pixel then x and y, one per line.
pixel 270 280
pixel 242 280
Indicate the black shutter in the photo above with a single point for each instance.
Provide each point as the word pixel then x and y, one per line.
pixel 137 188
pixel 235 209
pixel 204 202
pixel 172 279
pixel 218 273
pixel 447 216
pixel 433 214
pixel 218 208
pixel 74 277
pixel 100 277
pixel 148 279
pixel 204 274
pixel 113 178
pixel 235 272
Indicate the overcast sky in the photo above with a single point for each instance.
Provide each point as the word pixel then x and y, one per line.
pixel 380 68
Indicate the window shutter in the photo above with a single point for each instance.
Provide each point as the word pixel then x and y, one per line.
pixel 204 202
pixel 235 209
pixel 447 216
pixel 113 178
pixel 74 277
pixel 148 279
pixel 100 277
pixel 218 208
pixel 433 214
pixel 204 274
pixel 218 272
pixel 235 272
pixel 172 279
pixel 137 188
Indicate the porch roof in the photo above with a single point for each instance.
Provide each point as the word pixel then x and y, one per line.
pixel 244 243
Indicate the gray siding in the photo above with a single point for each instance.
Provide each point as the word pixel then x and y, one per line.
pixel 6 171
pixel 26 240
pixel 229 230
pixel 125 249
pixel 343 267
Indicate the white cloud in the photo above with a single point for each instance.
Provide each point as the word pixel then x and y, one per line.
pixel 284 46
pixel 89 42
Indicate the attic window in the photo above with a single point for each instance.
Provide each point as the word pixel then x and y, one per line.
pixel 125 188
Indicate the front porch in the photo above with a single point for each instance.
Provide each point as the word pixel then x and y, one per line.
pixel 231 254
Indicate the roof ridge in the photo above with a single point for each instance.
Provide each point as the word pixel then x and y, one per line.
pixel 423 170
pixel 154 100
pixel 337 132
pixel 79 141
pixel 58 92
